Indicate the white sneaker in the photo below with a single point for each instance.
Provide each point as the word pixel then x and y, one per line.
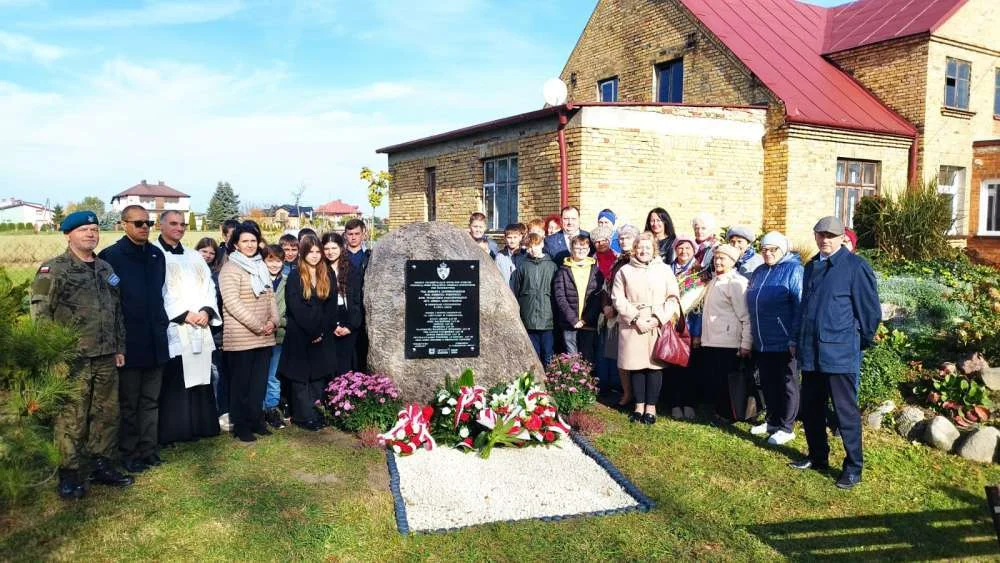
pixel 760 429
pixel 224 423
pixel 781 437
pixel 676 413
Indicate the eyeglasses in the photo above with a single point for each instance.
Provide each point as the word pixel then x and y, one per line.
pixel 768 249
pixel 141 224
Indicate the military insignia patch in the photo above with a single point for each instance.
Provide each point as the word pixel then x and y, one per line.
pixel 113 279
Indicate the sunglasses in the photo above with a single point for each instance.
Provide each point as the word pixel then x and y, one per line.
pixel 141 224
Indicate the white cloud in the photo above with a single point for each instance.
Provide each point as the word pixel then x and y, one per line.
pixel 14 46
pixel 153 14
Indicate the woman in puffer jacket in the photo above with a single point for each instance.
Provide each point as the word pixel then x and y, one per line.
pixel 773 299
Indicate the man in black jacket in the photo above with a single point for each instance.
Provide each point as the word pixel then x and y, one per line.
pixel 142 270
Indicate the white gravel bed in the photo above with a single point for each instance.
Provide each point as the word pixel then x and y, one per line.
pixel 446 488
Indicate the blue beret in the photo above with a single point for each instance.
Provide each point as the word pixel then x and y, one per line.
pixel 78 219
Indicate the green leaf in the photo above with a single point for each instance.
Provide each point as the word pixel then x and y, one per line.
pixel 467 379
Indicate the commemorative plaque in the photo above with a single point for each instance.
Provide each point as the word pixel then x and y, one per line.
pixel 442 309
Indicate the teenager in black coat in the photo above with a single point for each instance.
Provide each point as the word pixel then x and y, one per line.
pixel 350 310
pixel 309 356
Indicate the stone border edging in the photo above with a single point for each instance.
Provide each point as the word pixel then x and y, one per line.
pixel 644 503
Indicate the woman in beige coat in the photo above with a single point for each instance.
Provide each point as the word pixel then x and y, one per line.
pixel 250 317
pixel 725 328
pixel 640 294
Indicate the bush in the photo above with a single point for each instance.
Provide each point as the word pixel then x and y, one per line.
pixel 929 312
pixel 569 379
pixel 910 226
pixel 882 371
pixel 356 401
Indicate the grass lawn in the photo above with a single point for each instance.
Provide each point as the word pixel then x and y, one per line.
pixel 720 495
pixel 30 249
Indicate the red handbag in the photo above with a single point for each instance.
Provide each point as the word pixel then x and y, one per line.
pixel 674 344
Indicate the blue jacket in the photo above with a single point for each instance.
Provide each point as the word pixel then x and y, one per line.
pixel 142 271
pixel 555 246
pixel 840 313
pixel 773 298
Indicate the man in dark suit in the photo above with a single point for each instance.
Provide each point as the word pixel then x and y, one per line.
pixel 840 313
pixel 141 268
pixel 558 245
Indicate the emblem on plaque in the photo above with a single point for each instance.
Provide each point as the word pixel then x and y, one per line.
pixel 443 271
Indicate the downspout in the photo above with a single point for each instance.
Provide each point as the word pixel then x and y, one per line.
pixel 912 176
pixel 563 158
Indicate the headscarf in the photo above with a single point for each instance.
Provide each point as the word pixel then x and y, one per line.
pixel 260 278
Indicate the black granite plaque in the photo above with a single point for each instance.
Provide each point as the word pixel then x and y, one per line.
pixel 442 309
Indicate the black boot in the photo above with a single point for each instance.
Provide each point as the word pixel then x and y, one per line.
pixel 69 484
pixel 105 474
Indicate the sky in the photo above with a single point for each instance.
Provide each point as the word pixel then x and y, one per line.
pixel 268 95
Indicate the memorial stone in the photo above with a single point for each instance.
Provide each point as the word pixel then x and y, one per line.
pixel 436 304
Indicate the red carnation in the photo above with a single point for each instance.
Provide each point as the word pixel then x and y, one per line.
pixel 533 423
pixel 428 412
pixel 549 436
pixel 465 417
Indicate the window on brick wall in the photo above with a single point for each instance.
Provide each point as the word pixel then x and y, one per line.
pixel 500 192
pixel 608 89
pixel 430 180
pixel 996 95
pixel 855 180
pixel 951 186
pixel 670 81
pixel 989 208
pixel 956 83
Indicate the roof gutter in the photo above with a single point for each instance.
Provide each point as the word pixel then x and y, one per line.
pixel 912 176
pixel 563 158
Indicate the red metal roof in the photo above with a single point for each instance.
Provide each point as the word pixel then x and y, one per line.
pixel 150 190
pixel 337 207
pixel 870 21
pixel 781 42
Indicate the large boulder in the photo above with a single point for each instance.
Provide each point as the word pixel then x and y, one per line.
pixel 505 351
pixel 941 433
pixel 910 423
pixel 991 378
pixel 981 445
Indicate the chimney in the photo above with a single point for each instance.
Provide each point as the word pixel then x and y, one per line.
pixel 160 182
pixel 143 182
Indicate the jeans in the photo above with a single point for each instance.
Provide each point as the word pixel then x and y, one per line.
pixel 220 382
pixel 541 341
pixel 273 393
pixel 569 337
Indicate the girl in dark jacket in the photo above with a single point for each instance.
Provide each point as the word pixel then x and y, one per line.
pixel 350 313
pixel 577 294
pixel 308 358
pixel 773 299
pixel 532 286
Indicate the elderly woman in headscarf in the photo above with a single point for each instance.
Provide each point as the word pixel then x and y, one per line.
pixel 607 218
pixel 626 238
pixel 680 383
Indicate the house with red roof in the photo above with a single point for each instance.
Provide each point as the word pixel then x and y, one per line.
pixel 863 98
pixel 156 198
pixel 337 210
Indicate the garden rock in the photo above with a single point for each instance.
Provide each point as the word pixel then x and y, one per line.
pixel 874 418
pixel 910 423
pixel 991 378
pixel 981 445
pixel 892 313
pixel 941 433
pixel 948 367
pixel 973 363
pixel 505 351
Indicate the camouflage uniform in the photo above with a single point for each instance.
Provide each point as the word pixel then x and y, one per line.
pixel 68 291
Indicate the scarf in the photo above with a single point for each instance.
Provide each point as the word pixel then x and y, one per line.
pixel 260 278
pixel 747 255
pixel 606 261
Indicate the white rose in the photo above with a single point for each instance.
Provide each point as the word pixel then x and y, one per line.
pixel 400 434
pixel 396 448
pixel 463 432
pixel 452 402
pixel 445 410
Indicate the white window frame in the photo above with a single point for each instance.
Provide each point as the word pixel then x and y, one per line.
pixel 984 199
pixel 957 190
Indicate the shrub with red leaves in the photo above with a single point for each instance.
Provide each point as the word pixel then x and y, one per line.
pixel 586 423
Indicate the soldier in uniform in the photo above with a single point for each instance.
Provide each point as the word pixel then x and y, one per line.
pixel 80 290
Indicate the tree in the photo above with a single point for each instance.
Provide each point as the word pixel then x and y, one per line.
pixel 225 204
pixel 109 220
pixel 297 200
pixel 378 186
pixel 91 203
pixel 58 214
pixel 192 221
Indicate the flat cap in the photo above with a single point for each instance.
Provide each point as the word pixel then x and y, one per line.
pixel 741 231
pixel 78 219
pixel 829 224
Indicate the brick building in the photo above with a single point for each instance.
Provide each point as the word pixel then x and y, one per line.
pixel 863 98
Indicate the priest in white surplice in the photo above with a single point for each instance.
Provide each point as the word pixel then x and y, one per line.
pixel 187 402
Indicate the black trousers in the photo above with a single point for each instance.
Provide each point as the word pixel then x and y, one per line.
pixel 717 364
pixel 139 405
pixel 781 388
pixel 304 397
pixel 842 390
pixel 586 344
pixel 680 386
pixel 646 385
pixel 247 386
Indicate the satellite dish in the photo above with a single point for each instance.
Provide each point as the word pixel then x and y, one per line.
pixel 554 92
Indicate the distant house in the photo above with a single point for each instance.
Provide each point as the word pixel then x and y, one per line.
pixel 290 216
pixel 18 211
pixel 155 198
pixel 337 210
